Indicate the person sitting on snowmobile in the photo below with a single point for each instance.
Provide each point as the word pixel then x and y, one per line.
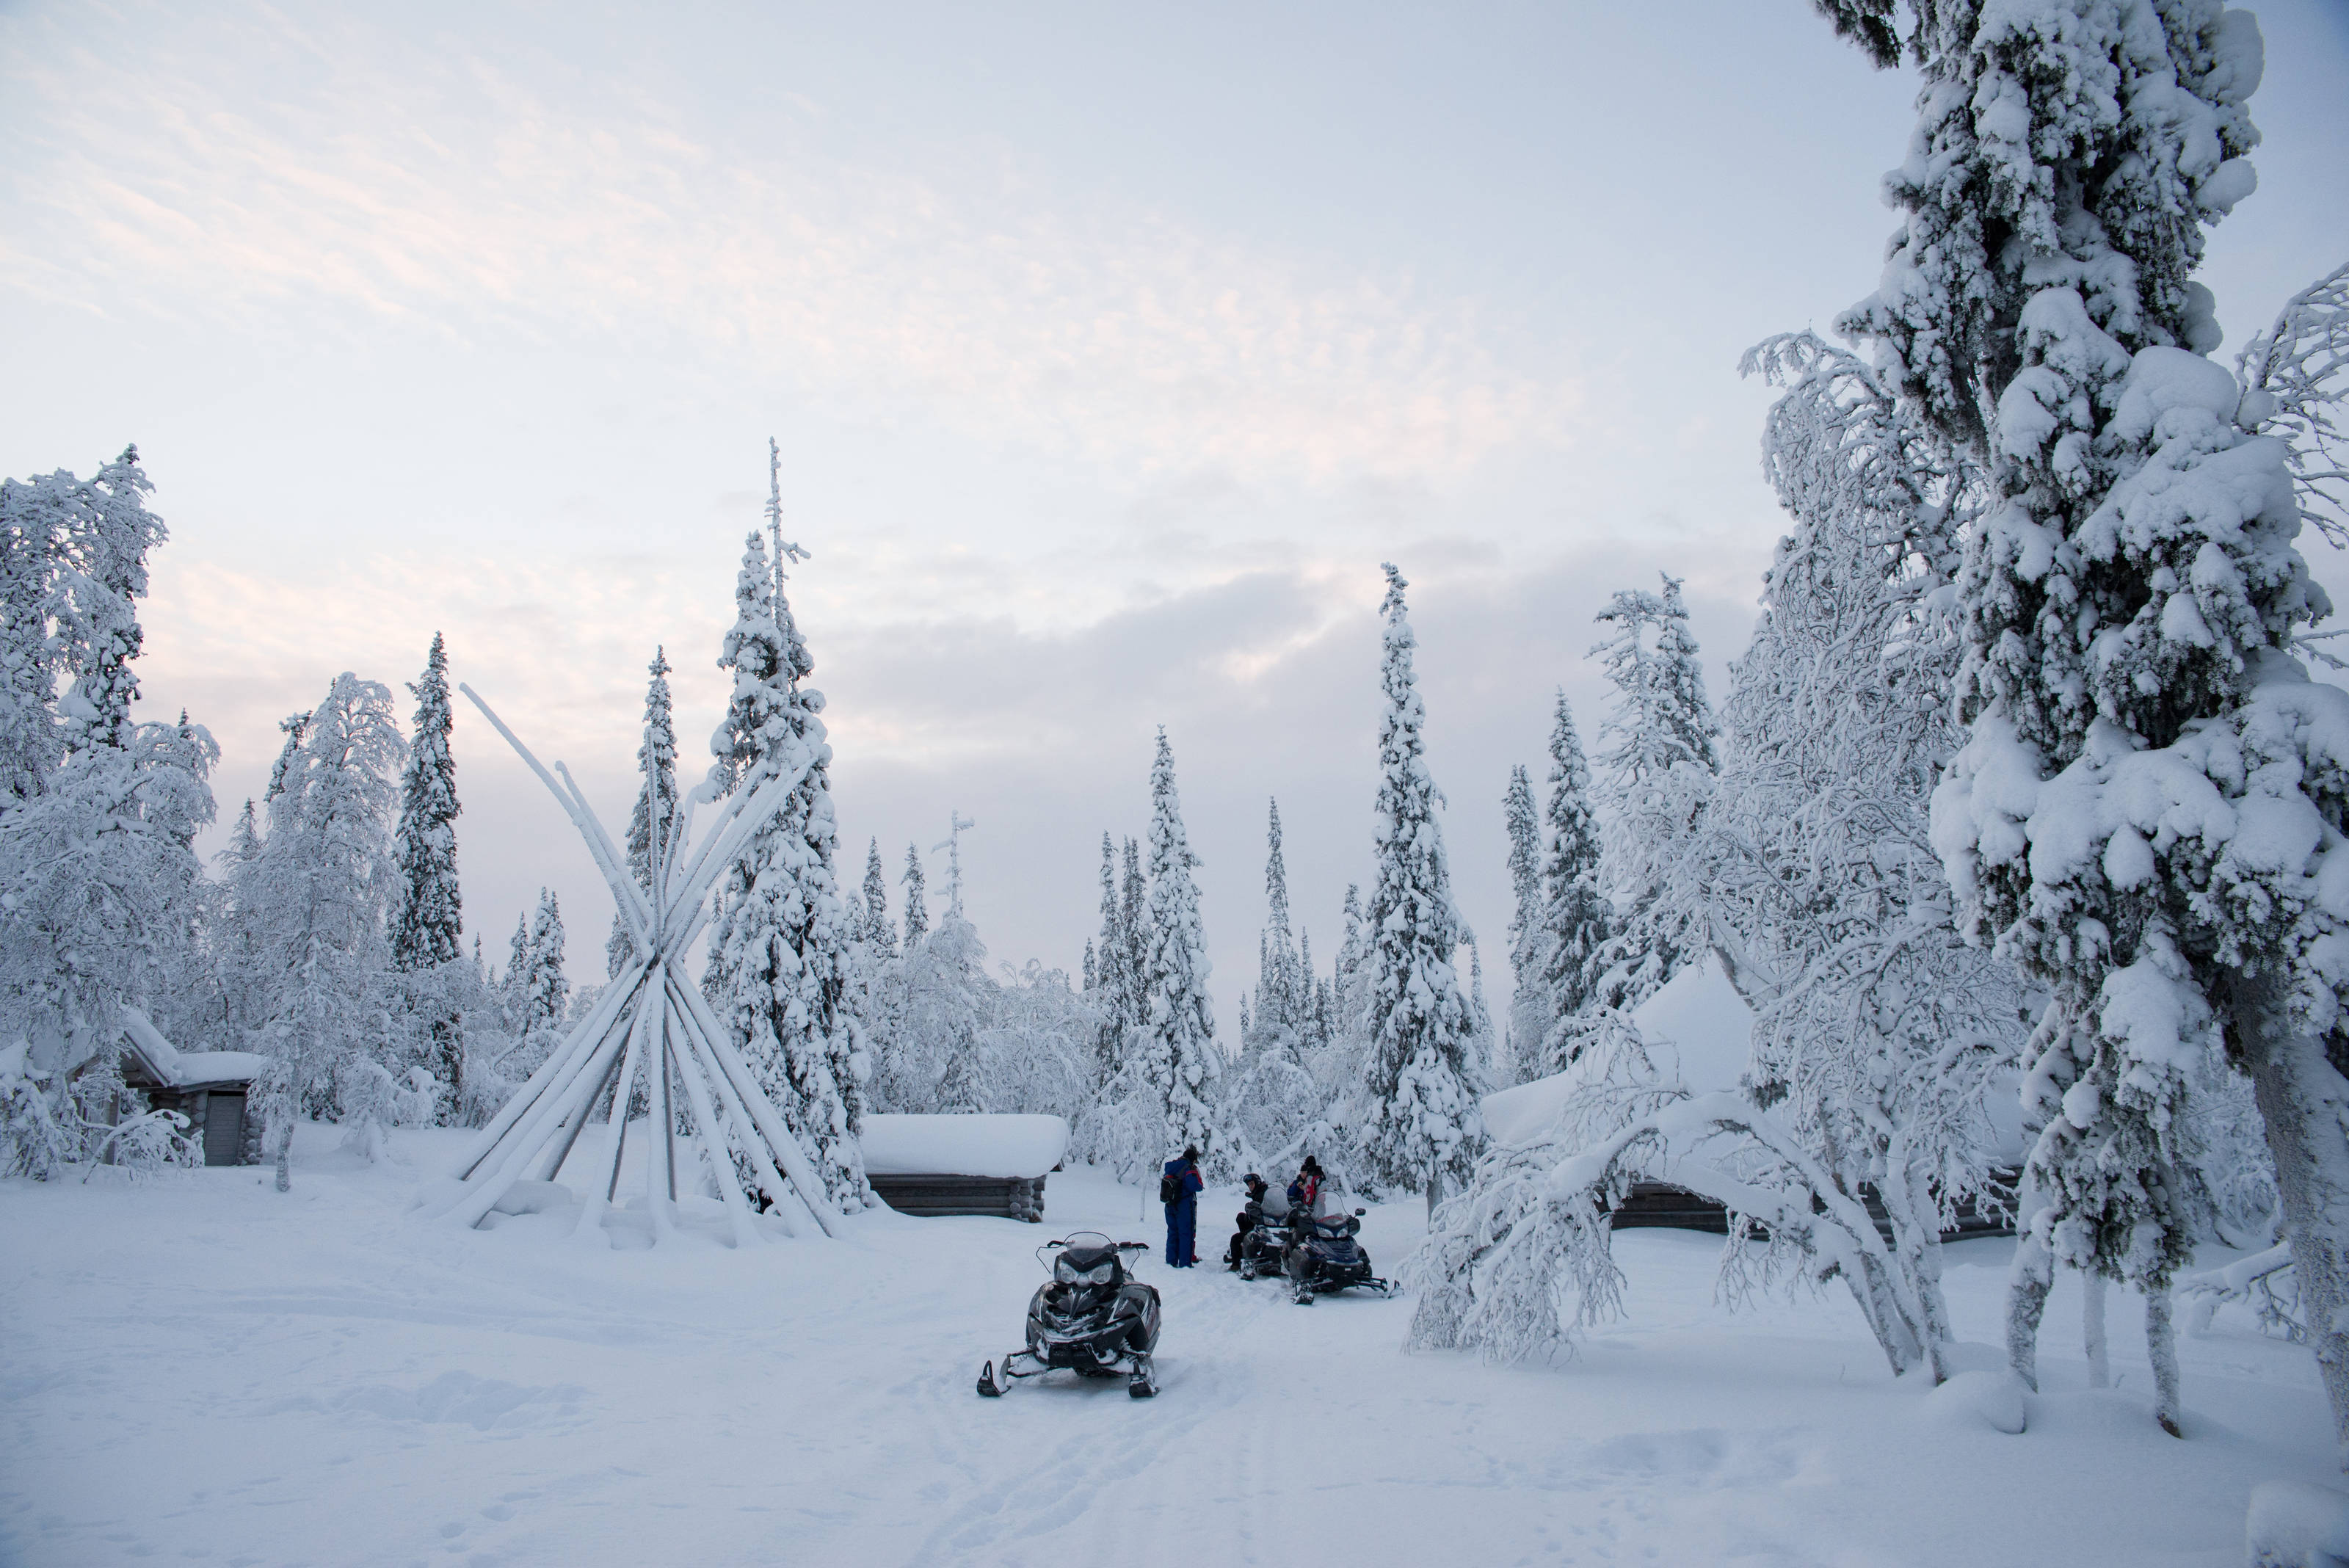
pixel 1306 1187
pixel 1246 1218
pixel 1179 1189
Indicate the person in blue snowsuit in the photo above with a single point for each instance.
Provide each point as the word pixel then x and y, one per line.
pixel 1183 1216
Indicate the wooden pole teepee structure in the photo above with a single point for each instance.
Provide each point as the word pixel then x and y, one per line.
pixel 650 1026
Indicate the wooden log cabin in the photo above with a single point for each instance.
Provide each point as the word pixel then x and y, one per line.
pixel 975 1164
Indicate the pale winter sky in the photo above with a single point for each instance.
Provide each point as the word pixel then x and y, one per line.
pixel 1111 349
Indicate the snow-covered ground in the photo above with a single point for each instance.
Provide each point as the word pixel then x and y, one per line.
pixel 206 1369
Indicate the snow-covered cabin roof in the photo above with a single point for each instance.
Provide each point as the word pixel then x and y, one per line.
pixel 972 1145
pixel 176 1069
pixel 1696 1019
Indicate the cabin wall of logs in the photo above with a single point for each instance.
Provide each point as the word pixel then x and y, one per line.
pixel 1656 1205
pixel 1003 1196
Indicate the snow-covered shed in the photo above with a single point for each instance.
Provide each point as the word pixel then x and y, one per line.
pixel 208 1087
pixel 969 1164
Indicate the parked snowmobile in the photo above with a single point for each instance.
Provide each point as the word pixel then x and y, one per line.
pixel 1263 1243
pixel 1323 1256
pixel 1093 1317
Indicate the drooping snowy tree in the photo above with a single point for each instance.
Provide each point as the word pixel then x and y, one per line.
pixel 779 947
pixel 1527 1022
pixel 1179 1061
pixel 2140 731
pixel 317 903
pixel 1657 771
pixel 33 515
pixel 428 915
pixel 1577 920
pixel 1812 879
pixel 652 821
pixel 2294 377
pixel 1421 1122
pixel 103 892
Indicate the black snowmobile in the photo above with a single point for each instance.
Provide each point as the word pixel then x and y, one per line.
pixel 1262 1244
pixel 1323 1256
pixel 1091 1317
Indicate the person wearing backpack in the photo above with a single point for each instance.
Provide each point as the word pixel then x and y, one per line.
pixel 1179 1188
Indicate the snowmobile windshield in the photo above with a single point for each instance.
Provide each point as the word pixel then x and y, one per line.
pixel 1087 1268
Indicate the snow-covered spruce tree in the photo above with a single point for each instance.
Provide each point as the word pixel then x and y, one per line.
pixel 779 947
pixel 104 570
pixel 1120 1126
pixel 1343 1062
pixel 1278 984
pixel 1657 773
pixel 1121 954
pixel 879 936
pixel 1271 1097
pixel 427 917
pixel 2152 784
pixel 918 899
pixel 873 955
pixel 1577 918
pixel 546 983
pixel 1527 1021
pixel 1485 1049
pixel 1421 1126
pixel 650 821
pixel 1178 1057
pixel 317 903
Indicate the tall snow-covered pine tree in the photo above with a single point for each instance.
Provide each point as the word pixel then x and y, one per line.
pixel 1422 1125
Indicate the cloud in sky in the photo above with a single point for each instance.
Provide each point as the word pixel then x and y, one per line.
pixel 408 178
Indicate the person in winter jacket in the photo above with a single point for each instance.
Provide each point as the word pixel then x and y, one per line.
pixel 1258 1189
pixel 1182 1177
pixel 1307 1187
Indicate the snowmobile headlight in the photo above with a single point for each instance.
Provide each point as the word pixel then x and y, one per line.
pixel 1101 1273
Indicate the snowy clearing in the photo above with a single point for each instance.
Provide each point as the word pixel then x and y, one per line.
pixel 203 1369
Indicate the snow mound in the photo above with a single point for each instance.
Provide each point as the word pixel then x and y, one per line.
pixel 974 1145
pixel 2296 1524
pixel 1696 1018
pixel 1979 1398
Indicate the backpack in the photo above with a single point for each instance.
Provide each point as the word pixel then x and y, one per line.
pixel 1170 1188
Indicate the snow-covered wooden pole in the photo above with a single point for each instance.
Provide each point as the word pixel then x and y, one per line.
pixel 650 1028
